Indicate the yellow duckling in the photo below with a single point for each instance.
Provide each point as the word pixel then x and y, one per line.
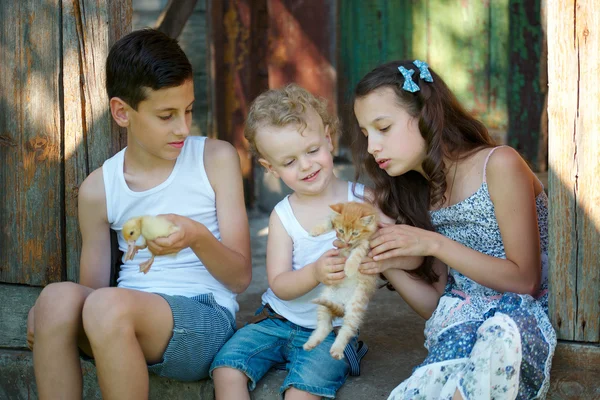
pixel 138 230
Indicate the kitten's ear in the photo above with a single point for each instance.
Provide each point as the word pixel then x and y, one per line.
pixel 368 220
pixel 337 208
pixel 267 165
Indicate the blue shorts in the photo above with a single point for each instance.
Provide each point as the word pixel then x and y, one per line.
pixel 255 348
pixel 200 328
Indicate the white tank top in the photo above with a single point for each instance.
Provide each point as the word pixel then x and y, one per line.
pixel 306 250
pixel 187 192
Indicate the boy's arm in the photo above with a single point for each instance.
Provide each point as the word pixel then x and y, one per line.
pixel 288 284
pixel 227 260
pixel 94 266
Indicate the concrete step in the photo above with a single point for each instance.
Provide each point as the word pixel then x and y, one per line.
pixel 393 332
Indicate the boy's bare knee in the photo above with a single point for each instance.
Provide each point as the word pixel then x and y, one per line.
pixel 229 376
pixel 106 315
pixel 58 307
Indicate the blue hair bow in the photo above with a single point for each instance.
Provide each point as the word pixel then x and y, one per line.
pixel 409 84
pixel 424 70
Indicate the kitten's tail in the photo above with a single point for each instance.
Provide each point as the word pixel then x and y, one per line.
pixel 336 309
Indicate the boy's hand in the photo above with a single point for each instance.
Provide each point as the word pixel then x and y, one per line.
pixel 329 268
pixel 177 241
pixel 30 337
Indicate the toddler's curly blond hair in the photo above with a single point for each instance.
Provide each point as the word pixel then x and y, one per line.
pixel 285 106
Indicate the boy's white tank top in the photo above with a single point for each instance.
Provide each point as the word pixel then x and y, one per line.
pixel 306 250
pixel 187 191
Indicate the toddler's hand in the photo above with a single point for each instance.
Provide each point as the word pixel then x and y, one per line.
pixel 329 268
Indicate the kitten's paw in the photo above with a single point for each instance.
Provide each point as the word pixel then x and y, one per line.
pixel 311 344
pixel 337 352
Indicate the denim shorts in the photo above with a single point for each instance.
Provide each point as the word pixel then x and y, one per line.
pixel 201 327
pixel 255 348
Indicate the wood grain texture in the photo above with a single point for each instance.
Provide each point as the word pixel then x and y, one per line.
pixel 574 167
pixel 31 224
pixel 575 372
pixel 90 134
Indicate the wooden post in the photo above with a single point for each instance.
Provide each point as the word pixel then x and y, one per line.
pixel 574 220
pixel 31 223
pixel 90 135
pixel 234 34
pixel 55 128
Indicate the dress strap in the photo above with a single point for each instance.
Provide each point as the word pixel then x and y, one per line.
pixel 486 162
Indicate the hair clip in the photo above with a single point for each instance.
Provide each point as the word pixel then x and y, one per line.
pixel 424 70
pixel 409 84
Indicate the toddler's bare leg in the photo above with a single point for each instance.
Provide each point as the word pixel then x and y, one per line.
pixel 297 394
pixel 230 383
pixel 57 331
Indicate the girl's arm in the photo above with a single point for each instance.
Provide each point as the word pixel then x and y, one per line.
pixel 288 284
pixel 94 265
pixel 511 187
pixel 419 295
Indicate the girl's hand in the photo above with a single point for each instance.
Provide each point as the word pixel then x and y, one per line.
pixel 401 240
pixel 329 268
pixel 369 266
pixel 177 241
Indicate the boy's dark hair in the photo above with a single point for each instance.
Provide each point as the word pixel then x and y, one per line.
pixel 143 59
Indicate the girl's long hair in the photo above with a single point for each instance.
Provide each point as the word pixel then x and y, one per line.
pixel 450 132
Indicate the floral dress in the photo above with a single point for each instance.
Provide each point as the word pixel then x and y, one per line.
pixel 489 345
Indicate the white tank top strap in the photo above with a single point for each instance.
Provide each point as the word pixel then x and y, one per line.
pixel 486 162
pixel 288 219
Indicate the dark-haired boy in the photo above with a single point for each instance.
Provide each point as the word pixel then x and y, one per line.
pixel 174 319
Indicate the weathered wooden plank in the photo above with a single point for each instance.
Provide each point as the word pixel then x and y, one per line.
pixel 496 117
pixel 587 190
pixel 233 85
pixel 525 97
pixel 302 47
pixel 459 50
pixel 15 302
pixel 574 154
pixel 417 45
pixel 89 132
pixel 575 372
pixel 30 153
pixel 371 33
pixel 562 177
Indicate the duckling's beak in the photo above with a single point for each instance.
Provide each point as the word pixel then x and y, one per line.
pixel 131 250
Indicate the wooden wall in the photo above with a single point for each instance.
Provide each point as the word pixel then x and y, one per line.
pixel 574 221
pixel 574 147
pixel 488 52
pixel 54 128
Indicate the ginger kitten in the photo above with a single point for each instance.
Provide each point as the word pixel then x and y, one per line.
pixel 354 224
